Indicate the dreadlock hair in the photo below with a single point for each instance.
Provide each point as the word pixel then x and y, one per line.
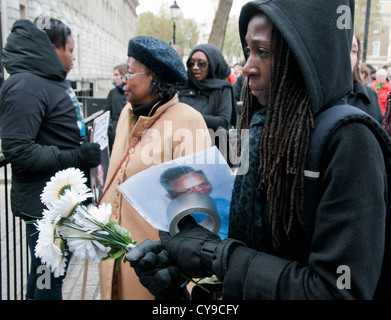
pixel 285 138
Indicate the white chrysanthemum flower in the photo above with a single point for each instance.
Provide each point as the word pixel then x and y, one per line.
pixel 69 179
pixel 101 213
pixel 92 219
pixel 50 248
pixel 49 214
pixel 83 246
pixel 67 205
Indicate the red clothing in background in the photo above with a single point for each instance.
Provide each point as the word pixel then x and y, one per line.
pixel 382 94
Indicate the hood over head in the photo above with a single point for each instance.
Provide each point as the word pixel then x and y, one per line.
pixel 28 49
pixel 320 34
pixel 219 68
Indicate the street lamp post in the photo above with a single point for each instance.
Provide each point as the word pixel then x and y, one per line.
pixel 367 19
pixel 174 15
pixel 1 58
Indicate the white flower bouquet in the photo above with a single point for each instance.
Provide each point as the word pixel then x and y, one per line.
pixel 69 226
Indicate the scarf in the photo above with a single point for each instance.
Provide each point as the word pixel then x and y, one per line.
pixel 145 110
pixel 246 215
pixel 120 87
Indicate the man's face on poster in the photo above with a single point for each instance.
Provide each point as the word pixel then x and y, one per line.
pixel 191 182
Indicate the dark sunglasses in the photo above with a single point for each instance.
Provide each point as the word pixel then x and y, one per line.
pixel 200 64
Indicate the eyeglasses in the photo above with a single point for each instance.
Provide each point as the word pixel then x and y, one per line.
pixel 129 75
pixel 200 64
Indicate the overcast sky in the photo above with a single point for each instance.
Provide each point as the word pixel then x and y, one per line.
pixel 200 10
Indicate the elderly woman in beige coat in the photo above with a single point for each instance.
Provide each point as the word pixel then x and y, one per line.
pixel 153 128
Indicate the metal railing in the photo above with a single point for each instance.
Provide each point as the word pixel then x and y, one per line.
pixel 14 251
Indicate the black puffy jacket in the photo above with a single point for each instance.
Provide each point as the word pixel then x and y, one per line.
pixel 38 119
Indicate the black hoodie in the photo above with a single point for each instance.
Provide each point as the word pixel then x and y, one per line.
pixel 342 259
pixel 38 120
pixel 327 72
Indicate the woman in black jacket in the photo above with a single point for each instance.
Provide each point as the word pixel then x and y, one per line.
pixel 208 90
pixel 116 100
pixel 280 249
pixel 41 126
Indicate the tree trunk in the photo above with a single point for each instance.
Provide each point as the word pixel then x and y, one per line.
pixel 220 22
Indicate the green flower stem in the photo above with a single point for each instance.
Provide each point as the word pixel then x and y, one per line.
pixel 195 282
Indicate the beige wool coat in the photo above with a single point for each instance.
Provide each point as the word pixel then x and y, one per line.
pixel 175 130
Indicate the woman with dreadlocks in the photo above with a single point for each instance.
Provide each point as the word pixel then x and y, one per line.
pixel 298 66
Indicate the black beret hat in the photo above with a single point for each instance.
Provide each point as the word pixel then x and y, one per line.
pixel 160 57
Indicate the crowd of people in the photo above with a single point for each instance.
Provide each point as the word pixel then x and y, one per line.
pixel 284 242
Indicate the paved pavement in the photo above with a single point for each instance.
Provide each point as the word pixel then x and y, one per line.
pixel 73 283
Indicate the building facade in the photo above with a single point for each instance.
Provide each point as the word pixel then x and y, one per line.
pixel 379 41
pixel 101 30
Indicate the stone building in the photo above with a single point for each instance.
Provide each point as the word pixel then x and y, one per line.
pixel 379 42
pixel 101 30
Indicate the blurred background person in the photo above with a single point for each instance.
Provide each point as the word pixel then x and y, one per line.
pixel 382 87
pixel 365 75
pixel 238 69
pixel 208 90
pixel 232 77
pixel 116 101
pixel 362 97
pixel 179 50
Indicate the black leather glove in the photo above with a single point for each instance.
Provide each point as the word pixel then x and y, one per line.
pixel 157 272
pixel 197 251
pixel 89 155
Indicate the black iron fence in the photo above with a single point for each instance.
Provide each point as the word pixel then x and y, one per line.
pixel 14 250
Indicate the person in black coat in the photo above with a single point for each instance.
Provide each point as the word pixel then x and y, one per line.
pixel 116 101
pixel 362 97
pixel 42 129
pixel 277 248
pixel 208 90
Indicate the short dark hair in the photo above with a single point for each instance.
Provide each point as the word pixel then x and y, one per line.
pixel 174 174
pixel 58 32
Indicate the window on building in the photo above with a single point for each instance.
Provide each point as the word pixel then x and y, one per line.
pixel 378 27
pixel 376 48
pixel 22 11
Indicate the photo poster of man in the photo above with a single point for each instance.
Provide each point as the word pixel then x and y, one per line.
pixel 99 134
pixel 151 191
